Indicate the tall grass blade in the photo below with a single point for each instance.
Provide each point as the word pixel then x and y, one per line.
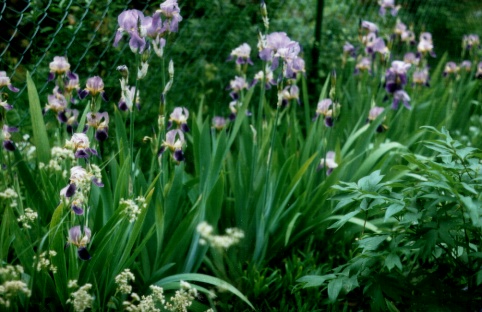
pixel 39 130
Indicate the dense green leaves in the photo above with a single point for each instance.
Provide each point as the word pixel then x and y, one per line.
pixel 431 219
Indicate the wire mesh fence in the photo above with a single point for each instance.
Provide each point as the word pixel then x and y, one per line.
pixel 33 32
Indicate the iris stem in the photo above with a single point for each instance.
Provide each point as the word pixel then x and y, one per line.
pixel 160 128
pixel 131 126
pixel 270 152
pixel 261 102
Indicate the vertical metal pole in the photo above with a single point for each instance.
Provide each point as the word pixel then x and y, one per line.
pixel 315 51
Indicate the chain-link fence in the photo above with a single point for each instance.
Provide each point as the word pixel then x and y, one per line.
pixel 33 32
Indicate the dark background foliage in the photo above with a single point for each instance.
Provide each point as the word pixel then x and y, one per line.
pixel 33 32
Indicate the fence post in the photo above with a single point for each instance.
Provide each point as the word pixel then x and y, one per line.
pixel 315 51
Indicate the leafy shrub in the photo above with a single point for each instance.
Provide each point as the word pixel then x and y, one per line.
pixel 419 247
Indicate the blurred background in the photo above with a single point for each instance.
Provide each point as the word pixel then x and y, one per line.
pixel 34 31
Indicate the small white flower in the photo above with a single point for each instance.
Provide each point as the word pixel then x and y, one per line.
pixel 27 218
pixel 8 193
pixel 133 208
pixel 81 299
pixel 232 237
pixel 122 280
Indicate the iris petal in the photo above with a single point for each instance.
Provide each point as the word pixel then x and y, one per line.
pixel 77 210
pixel 83 254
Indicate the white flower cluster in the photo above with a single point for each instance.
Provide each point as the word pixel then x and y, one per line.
pixel 81 300
pixel 122 280
pixel 72 284
pixel 59 155
pixel 12 286
pixel 8 193
pixel 26 147
pixel 27 218
pixel 81 178
pixel 182 299
pixel 232 237
pixel 133 207
pixel 44 262
pixel 95 171
pixel 146 303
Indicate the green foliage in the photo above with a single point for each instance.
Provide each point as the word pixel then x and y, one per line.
pixel 38 126
pixel 426 254
pixel 265 176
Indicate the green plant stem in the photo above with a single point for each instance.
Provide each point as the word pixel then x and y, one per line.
pixel 268 173
pixel 262 94
pixel 467 248
pixel 131 126
pixel 160 126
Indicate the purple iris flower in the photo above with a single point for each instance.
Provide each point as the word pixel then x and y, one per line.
pixel 72 116
pixel 128 23
pixel 466 65
pixel 373 114
pixel 6 136
pixel 5 82
pixel 399 28
pixel 137 43
pixel 289 93
pixel 374 44
pixel 179 116
pixel 219 122
pixel 127 99
pixel 278 45
pixel 170 9
pixel 329 162
pixel 77 207
pixel 58 104
pixel 425 44
pixel 81 145
pixel 58 66
pixel 138 27
pixel 365 64
pixel 408 36
pixel 421 77
pixel 151 26
pixel 241 54
pixel 369 27
pixel 94 86
pixel 269 80
pixel 411 58
pixel 236 85
pixel 233 107
pixel 388 4
pixel 396 76
pixel 471 41
pixel 80 238
pixel 78 177
pixel 349 49
pixel 294 66
pixel 100 122
pixel 325 108
pixel 401 96
pixel 174 142
pixel 450 68
pixel 72 83
pixel 478 74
